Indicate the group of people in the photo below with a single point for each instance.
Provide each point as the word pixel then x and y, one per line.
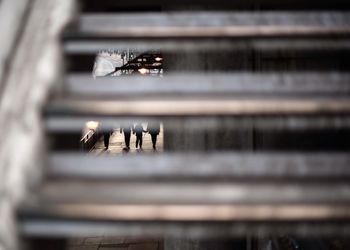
pixel 152 128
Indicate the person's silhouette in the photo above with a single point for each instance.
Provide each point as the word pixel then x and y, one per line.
pixel 127 133
pixel 138 130
pixel 106 136
pixel 153 129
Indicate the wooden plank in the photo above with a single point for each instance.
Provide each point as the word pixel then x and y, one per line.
pixel 223 165
pixel 214 84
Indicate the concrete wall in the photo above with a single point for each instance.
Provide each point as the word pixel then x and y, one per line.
pixel 31 71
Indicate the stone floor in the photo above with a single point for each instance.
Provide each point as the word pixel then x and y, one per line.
pixel 116 144
pixel 114 243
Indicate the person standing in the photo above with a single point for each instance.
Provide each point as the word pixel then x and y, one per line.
pixel 106 136
pixel 153 129
pixel 127 134
pixel 138 130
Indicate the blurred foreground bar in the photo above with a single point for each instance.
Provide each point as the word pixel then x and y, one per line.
pixel 208 166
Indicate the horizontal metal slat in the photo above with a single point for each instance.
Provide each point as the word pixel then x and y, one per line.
pixel 249 31
pixel 216 24
pixel 83 208
pixel 44 227
pixel 167 107
pixel 75 123
pixel 111 5
pixel 210 84
pixel 192 212
pixel 199 192
pixel 201 166
pixel 82 45
pixel 312 56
